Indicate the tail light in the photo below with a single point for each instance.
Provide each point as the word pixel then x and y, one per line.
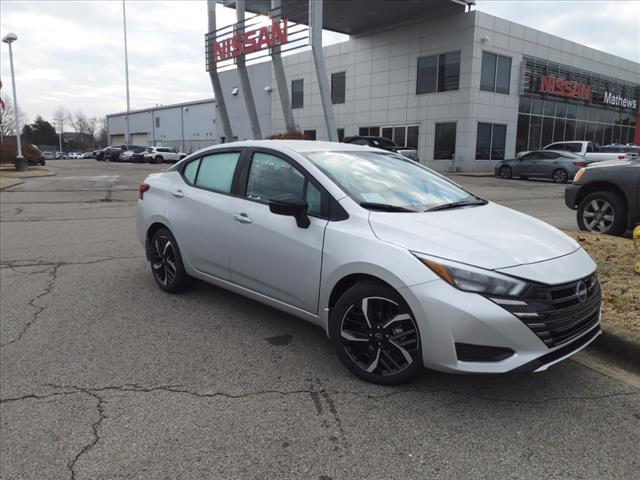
pixel 621 157
pixel 580 164
pixel 141 189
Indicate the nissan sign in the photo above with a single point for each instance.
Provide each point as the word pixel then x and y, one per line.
pixel 250 41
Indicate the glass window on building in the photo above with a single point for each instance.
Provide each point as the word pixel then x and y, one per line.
pixel 413 132
pixel 387 132
pixel 495 75
pixel 438 73
pixel 445 141
pixel 338 85
pixel 309 134
pixel 297 93
pixel 399 136
pixel 340 134
pixel 491 141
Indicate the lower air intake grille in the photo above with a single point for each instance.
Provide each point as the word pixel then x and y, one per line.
pixel 557 314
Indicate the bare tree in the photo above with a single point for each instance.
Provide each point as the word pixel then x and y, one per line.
pixel 8 118
pixel 101 135
pixel 59 116
pixel 91 128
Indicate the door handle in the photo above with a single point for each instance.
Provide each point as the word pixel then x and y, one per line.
pixel 241 217
pixel 178 193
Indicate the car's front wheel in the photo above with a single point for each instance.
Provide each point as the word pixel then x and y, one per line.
pixel 159 159
pixel 375 334
pixel 166 262
pixel 603 212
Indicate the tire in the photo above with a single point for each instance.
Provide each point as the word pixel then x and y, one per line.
pixel 158 159
pixel 166 262
pixel 603 212
pixel 559 175
pixel 505 172
pixel 363 344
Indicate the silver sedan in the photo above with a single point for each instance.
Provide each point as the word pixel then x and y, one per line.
pixel 558 166
pixel 401 267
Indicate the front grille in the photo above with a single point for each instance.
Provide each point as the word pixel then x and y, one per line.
pixel 557 314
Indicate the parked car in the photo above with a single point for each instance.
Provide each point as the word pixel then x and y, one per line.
pixel 132 153
pixel 91 154
pixel 74 155
pixel 48 155
pixel 111 154
pixel 591 151
pixel 606 196
pixel 401 267
pixel 631 151
pixel 37 157
pixel 556 165
pixel 163 154
pixel 384 143
pixel 60 155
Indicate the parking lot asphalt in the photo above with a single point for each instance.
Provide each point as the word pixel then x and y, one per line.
pixel 105 376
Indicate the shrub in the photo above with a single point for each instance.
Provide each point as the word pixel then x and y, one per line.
pixel 8 151
pixel 290 135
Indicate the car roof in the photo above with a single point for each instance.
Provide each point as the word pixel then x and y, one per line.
pixel 299 146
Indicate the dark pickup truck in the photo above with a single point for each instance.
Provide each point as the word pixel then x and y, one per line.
pixel 606 196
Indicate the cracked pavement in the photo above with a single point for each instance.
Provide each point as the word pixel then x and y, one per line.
pixel 104 376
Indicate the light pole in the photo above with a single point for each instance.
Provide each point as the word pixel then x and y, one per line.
pixel 126 70
pixel 21 162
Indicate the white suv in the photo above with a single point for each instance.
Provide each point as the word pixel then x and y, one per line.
pixel 163 154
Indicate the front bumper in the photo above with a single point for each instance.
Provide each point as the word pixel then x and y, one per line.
pixel 447 316
pixel 570 195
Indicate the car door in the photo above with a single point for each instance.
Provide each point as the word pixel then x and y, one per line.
pixel 200 208
pixel 528 163
pixel 269 253
pixel 547 162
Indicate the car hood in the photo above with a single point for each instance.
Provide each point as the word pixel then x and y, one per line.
pixel 488 236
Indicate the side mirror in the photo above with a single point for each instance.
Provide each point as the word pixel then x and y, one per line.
pixel 291 205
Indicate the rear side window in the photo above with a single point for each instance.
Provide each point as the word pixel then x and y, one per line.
pixel 190 171
pixel 217 170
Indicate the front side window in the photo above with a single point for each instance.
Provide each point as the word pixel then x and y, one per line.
pixel 438 73
pixel 216 171
pixel 387 178
pixel 491 141
pixel 495 75
pixel 445 141
pixel 338 84
pixel 297 93
pixel 270 176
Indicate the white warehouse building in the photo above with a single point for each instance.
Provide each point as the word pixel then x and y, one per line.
pixel 463 87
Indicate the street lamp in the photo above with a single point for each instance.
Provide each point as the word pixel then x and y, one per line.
pixel 21 162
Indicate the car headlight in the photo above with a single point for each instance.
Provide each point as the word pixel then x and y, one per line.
pixel 472 279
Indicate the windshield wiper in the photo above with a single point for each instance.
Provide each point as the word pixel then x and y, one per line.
pixel 385 207
pixel 462 203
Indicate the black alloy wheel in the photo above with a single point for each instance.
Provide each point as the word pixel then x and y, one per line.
pixel 375 334
pixel 560 175
pixel 505 172
pixel 166 262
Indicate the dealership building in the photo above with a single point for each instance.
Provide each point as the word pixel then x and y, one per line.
pixel 465 88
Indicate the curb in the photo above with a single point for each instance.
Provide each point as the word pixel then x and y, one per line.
pixel 12 182
pixel 472 174
pixel 619 348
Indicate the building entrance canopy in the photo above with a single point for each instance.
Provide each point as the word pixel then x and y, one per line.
pixel 357 16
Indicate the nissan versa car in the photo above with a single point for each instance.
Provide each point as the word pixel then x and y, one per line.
pixel 401 267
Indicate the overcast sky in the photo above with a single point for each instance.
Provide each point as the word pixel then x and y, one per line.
pixel 70 53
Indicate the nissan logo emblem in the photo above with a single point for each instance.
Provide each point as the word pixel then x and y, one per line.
pixel 581 291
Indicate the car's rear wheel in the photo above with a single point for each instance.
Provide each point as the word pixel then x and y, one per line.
pixel 559 175
pixel 166 262
pixel 505 172
pixel 603 212
pixel 159 159
pixel 375 334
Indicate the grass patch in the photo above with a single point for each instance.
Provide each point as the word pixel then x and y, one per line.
pixel 616 258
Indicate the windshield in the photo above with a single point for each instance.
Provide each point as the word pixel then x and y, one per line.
pixel 389 179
